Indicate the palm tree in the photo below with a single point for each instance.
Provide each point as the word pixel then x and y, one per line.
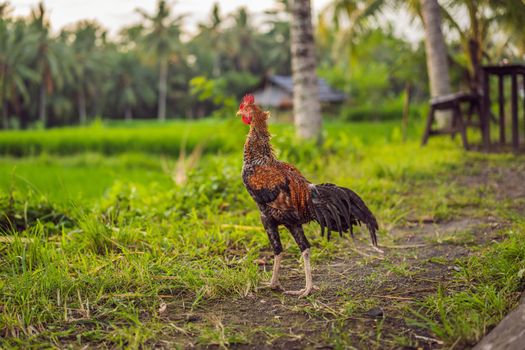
pixel 242 43
pixel 16 46
pixel 129 82
pixel 62 103
pixel 131 37
pixel 86 38
pixel 209 36
pixel 48 59
pixel 487 20
pixel 350 20
pixel 307 109
pixel 509 15
pixel 436 55
pixel 4 39
pixel 277 39
pixel 163 37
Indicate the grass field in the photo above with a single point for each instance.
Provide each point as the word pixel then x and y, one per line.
pixel 163 139
pixel 100 247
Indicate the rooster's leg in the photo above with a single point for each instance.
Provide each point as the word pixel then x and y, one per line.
pixel 274 282
pixel 272 230
pixel 304 245
pixel 308 276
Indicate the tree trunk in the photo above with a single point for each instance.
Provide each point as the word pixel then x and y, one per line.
pixel 128 114
pixel 42 106
pixel 475 55
pixel 3 105
pixel 436 53
pixel 82 107
pixel 216 71
pixel 25 119
pixel 307 110
pixel 5 117
pixel 3 102
pixel 163 87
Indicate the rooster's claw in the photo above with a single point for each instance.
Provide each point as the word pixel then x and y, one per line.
pixel 301 293
pixel 273 286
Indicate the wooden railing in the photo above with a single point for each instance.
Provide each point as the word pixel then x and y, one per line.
pixel 502 71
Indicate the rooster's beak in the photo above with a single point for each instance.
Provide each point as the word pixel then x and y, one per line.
pixel 238 114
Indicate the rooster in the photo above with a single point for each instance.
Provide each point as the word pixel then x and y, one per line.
pixel 285 197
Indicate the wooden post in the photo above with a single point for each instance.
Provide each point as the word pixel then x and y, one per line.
pixel 485 115
pixel 460 124
pixel 501 93
pixel 514 109
pixel 406 110
pixel 428 126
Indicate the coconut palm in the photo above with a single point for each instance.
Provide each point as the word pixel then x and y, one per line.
pixel 350 19
pixel 16 48
pixel 509 15
pixel 210 37
pixel 86 37
pixel 129 82
pixel 48 59
pixel 487 20
pixel 307 109
pixel 243 43
pixel 163 37
pixel 436 55
pixel 131 37
pixel 277 39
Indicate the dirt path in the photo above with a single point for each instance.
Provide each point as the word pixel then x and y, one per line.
pixel 365 299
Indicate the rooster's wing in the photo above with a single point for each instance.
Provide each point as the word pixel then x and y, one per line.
pixel 282 187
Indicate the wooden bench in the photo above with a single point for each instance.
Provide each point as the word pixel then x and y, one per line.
pixel 452 103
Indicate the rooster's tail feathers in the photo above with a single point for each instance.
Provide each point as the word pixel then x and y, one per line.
pixel 339 209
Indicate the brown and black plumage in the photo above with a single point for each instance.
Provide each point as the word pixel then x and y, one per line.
pixel 285 197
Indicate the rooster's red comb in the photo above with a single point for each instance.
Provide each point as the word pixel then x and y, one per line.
pixel 248 100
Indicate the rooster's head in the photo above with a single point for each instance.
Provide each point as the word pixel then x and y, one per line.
pixel 248 110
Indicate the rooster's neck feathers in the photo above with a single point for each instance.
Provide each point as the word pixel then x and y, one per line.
pixel 257 149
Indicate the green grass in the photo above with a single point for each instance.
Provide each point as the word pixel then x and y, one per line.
pixel 150 138
pixel 163 139
pixel 488 286
pixel 93 245
pixel 79 177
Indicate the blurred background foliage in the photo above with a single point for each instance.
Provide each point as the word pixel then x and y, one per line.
pixel 74 75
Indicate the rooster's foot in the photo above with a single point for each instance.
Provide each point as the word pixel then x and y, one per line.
pixel 303 292
pixel 272 286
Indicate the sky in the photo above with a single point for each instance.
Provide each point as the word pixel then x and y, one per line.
pixel 115 14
